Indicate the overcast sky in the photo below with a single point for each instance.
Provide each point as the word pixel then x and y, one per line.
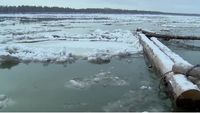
pixel 181 6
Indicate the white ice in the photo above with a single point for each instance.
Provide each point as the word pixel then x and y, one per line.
pixel 96 37
pixel 111 43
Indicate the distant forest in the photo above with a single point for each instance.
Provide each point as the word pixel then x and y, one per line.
pixel 45 9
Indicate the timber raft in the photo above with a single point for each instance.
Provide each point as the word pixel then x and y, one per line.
pixel 175 72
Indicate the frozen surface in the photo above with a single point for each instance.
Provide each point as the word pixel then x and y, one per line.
pixel 113 43
pixel 96 37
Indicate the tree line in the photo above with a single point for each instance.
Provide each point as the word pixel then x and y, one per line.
pixel 45 9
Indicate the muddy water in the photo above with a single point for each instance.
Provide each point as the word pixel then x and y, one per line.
pixel 39 87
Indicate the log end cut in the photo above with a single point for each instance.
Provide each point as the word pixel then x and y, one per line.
pixel 189 99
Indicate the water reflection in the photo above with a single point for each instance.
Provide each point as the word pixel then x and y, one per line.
pixel 8 64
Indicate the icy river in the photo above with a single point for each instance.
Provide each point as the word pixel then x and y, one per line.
pixel 85 62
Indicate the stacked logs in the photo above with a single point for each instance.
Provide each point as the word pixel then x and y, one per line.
pixel 184 93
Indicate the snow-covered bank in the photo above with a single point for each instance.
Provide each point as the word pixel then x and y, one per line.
pixel 99 45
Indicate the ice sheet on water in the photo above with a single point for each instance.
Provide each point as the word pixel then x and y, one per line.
pixel 114 43
pixel 115 35
pixel 8 22
pixel 23 53
pixel 38 35
pixel 103 78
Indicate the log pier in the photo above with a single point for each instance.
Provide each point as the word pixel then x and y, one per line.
pixel 184 93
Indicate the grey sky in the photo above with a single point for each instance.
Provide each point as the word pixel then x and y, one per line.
pixel 182 6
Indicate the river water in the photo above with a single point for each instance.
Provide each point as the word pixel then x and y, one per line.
pixel 39 87
pixel 123 84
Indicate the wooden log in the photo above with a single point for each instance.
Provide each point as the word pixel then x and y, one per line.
pixel 156 55
pixel 183 91
pixel 188 70
pixel 167 37
pixel 180 66
pixel 173 56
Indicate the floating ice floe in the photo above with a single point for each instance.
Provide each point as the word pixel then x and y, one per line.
pixel 38 35
pixel 3 101
pixel 103 78
pixel 117 35
pixel 114 43
pixel 168 25
pixel 146 87
pixel 23 53
pixel 99 58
